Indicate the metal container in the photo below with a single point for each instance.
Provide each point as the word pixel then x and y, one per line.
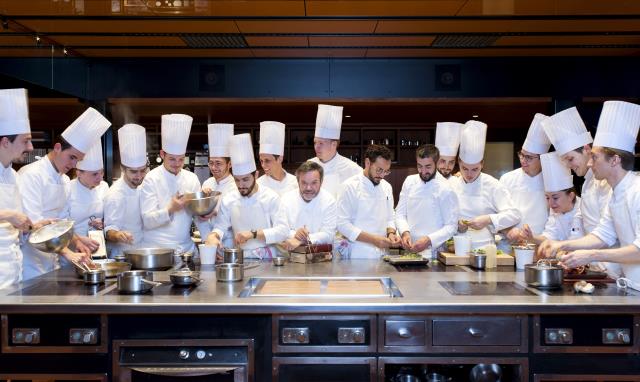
pixel 132 282
pixel 233 256
pixel 543 274
pixel 478 260
pixel 200 203
pixel 184 277
pixel 52 238
pixel 436 377
pixel 485 372
pixel 279 261
pixel 94 276
pixel 229 272
pixel 110 267
pixel 152 259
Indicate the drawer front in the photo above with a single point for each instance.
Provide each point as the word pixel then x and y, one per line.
pixel 404 333
pixel 477 332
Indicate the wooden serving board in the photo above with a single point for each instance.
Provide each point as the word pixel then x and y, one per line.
pixel 355 286
pixel 447 258
pixel 288 287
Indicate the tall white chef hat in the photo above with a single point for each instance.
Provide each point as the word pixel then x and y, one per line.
pixel 328 121
pixel 219 136
pixel 175 133
pixel 92 160
pixel 132 139
pixel 618 126
pixel 242 160
pixel 555 174
pixel 472 141
pixel 566 131
pixel 86 129
pixel 536 141
pixel 271 138
pixel 448 137
pixel 14 112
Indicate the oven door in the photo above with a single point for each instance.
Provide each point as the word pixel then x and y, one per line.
pixel 187 373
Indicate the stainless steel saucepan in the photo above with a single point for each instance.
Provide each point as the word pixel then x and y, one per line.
pixel 133 282
pixel 151 259
pixel 543 274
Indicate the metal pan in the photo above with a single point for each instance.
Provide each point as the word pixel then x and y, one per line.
pixel 135 282
pixel 151 259
pixel 185 277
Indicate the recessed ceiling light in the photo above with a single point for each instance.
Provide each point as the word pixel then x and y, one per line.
pixel 475 116
pixel 347 116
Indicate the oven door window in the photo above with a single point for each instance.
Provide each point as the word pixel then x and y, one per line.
pixel 209 374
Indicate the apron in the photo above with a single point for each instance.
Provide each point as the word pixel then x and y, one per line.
pixel 368 220
pixel 131 216
pixel 247 218
pixel 533 205
pixel 470 208
pixel 37 263
pixel 626 235
pixel 10 253
pixel 424 217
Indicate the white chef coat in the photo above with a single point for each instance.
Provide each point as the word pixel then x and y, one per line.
pixel 595 197
pixel 225 186
pixel 162 229
pixel 10 253
pixel 336 172
pixel 362 206
pixel 122 213
pixel 318 215
pixel 427 209
pixel 288 183
pixel 527 193
pixel 485 196
pixel 44 196
pixel 621 221
pixel 564 226
pixel 261 211
pixel 84 203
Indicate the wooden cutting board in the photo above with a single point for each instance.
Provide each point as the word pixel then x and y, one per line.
pixel 288 287
pixel 451 259
pixel 365 287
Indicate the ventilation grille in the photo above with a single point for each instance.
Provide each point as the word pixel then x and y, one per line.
pixel 215 41
pixel 464 41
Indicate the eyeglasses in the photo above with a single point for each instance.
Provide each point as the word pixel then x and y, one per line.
pixel 527 158
pixel 380 171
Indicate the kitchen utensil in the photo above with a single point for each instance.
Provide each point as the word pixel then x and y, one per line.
pixel 279 261
pixel 131 282
pixel 402 377
pixel 524 254
pixel 229 272
pixel 52 238
pixel 109 266
pixel 200 203
pixel 436 377
pixel 94 276
pixel 462 244
pixel 232 256
pixel 543 274
pixel 485 372
pixel 150 258
pixel 478 260
pixel 184 277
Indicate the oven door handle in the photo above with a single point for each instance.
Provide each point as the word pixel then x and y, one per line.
pixel 185 371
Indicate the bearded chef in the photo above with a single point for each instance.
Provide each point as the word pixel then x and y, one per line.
pixel 254 213
pixel 45 194
pixel 526 185
pixel 365 207
pixel 568 134
pixel 166 222
pixel 426 191
pixel 271 155
pixel 612 159
pixel 447 142
pixel 485 204
pixel 220 166
pixel 337 169
pixel 122 213
pixel 310 210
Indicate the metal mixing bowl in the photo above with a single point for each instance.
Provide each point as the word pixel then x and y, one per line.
pixel 53 237
pixel 199 203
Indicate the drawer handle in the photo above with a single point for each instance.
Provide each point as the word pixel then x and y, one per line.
pixel 475 332
pixel 404 333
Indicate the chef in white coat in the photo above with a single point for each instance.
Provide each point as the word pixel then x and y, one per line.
pixel 122 214
pixel 254 213
pixel 612 159
pixel 310 210
pixel 221 179
pixel 564 222
pixel 166 222
pixel 365 207
pixel 421 231
pixel 447 142
pixel 87 192
pixel 485 204
pixel 271 153
pixel 337 168
pixel 525 184
pixel 45 194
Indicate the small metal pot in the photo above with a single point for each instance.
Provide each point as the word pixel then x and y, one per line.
pixel 543 274
pixel 184 277
pixel 436 377
pixel 478 260
pixel 151 259
pixel 485 372
pixel 229 272
pixel 279 261
pixel 233 256
pixel 94 276
pixel 406 378
pixel 133 282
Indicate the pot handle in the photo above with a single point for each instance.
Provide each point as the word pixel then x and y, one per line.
pixel 150 282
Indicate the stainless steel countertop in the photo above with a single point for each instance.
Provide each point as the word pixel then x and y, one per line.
pixel 422 294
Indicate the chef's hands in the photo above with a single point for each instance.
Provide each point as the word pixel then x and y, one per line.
pixel 176 203
pixel 86 245
pixel 291 244
pixel 122 237
pixel 549 248
pixel 19 220
pixel 302 235
pixel 577 258
pixel 479 222
pixel 517 235
pixel 75 257
pixel 42 223
pixel 421 244
pixel 407 243
pixel 96 223
pixel 242 237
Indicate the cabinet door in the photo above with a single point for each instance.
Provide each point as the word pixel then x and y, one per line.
pixel 52 377
pixel 325 369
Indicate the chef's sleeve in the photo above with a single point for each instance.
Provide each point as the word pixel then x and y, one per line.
pixel 401 209
pixel 279 230
pixel 153 214
pixel 507 214
pixel 449 210
pixel 31 189
pixel 605 230
pixel 391 214
pixel 347 207
pixel 222 222
pixel 328 224
pixel 114 211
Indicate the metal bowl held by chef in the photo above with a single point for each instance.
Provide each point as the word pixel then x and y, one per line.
pixel 134 282
pixel 53 237
pixel 200 203
pixel 543 274
pixel 152 259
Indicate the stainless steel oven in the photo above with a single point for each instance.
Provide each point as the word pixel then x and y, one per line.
pixel 212 360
